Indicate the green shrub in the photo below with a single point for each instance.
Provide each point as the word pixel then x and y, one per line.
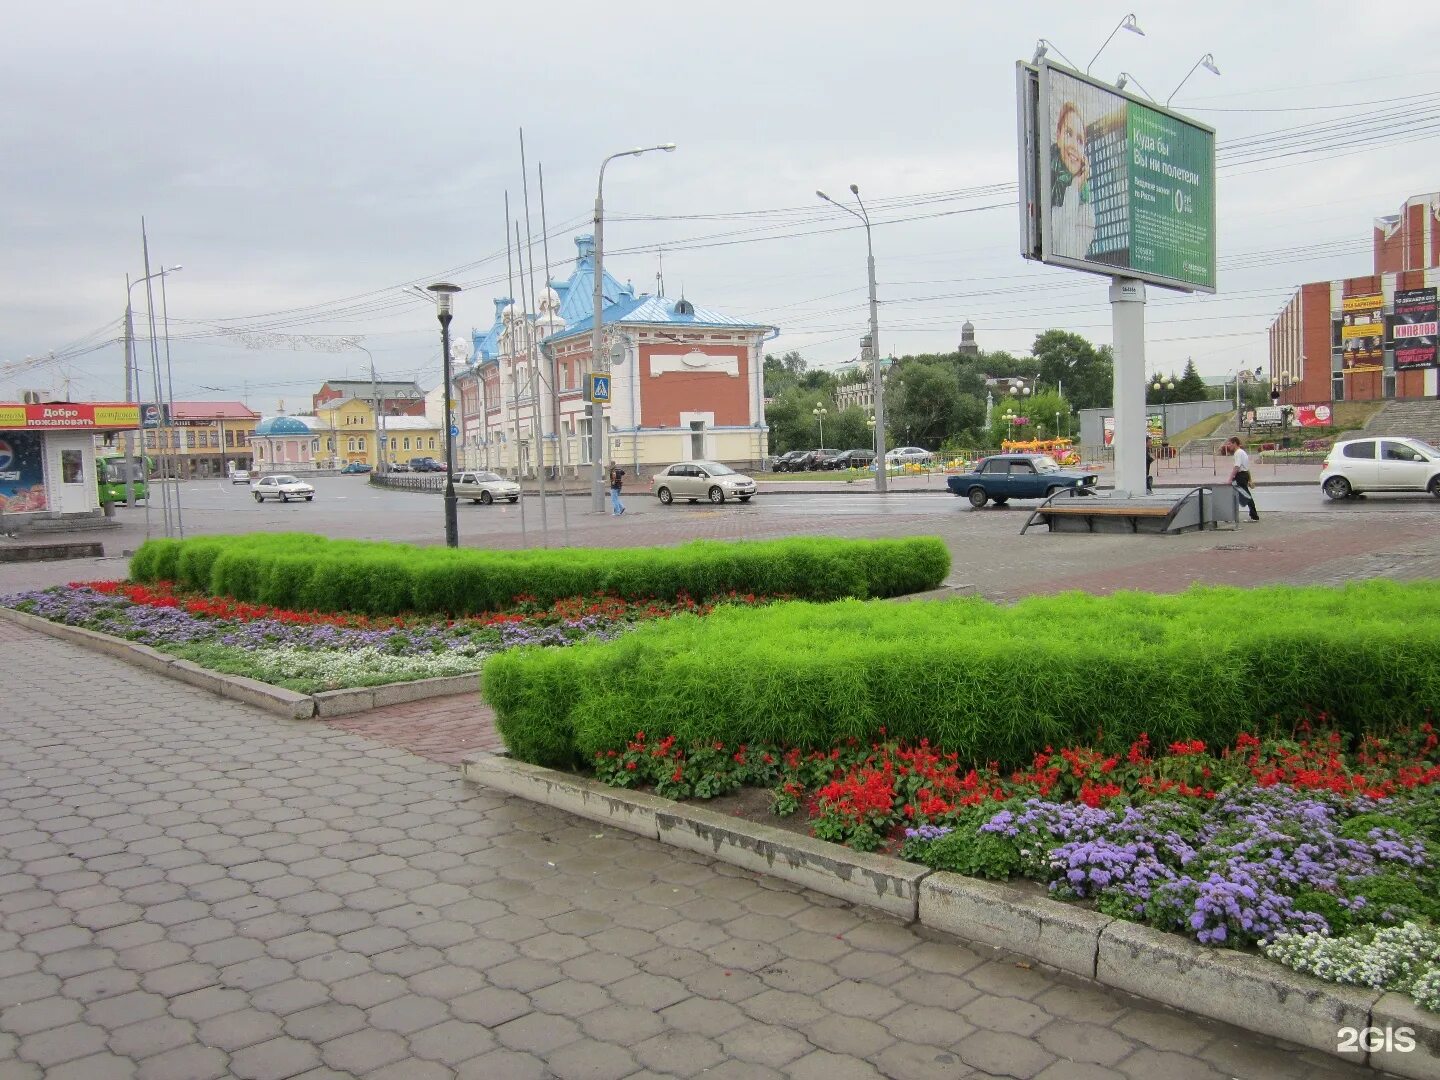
pixel 993 683
pixel 314 573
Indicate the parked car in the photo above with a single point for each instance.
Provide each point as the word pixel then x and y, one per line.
pixel 283 488
pixel 398 466
pixel 1393 463
pixel 426 464
pixel 240 476
pixel 908 455
pixel 811 461
pixel 486 487
pixel 356 467
pixel 788 462
pixel 1003 477
pixel 850 459
pixel 696 480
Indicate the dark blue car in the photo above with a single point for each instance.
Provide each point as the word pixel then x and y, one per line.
pixel 356 467
pixel 1003 477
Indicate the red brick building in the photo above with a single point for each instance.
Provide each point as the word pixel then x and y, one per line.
pixel 1349 340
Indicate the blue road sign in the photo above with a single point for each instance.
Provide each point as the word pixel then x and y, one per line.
pixel 597 388
pixel 454 432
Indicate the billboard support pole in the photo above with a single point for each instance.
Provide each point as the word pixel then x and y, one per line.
pixel 1127 316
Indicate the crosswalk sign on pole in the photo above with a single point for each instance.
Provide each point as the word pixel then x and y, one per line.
pixel 597 388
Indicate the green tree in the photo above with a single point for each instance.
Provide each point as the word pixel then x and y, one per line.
pixel 1085 372
pixel 922 403
pixel 1191 386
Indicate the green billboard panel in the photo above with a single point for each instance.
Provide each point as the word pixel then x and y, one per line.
pixel 1124 188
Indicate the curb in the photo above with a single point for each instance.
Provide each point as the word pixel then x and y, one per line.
pixel 290 704
pixel 1247 991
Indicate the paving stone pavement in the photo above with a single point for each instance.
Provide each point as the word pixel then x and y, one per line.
pixel 191 888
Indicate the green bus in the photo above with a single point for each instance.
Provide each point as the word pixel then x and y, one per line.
pixel 110 474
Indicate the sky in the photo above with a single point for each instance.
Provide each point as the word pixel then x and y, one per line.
pixel 305 162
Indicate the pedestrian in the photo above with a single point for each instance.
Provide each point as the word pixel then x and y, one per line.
pixel 1149 461
pixel 1240 476
pixel 617 481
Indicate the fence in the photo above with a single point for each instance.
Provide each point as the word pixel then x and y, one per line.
pixel 409 481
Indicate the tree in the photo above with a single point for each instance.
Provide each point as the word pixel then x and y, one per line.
pixel 1191 386
pixel 1085 372
pixel 921 403
pixel 794 363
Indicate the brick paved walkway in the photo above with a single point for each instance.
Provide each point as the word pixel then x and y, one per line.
pixel 190 888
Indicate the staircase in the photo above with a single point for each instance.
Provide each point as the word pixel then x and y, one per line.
pixel 1417 417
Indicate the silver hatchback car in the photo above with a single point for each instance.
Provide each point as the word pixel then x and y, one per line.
pixel 696 480
pixel 1383 463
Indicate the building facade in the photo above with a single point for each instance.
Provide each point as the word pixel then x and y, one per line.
pixel 685 381
pixel 1371 337
pixel 195 440
pixel 395 398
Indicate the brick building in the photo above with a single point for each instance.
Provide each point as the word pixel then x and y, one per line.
pixel 1370 337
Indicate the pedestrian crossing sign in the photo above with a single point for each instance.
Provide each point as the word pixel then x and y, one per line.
pixel 597 388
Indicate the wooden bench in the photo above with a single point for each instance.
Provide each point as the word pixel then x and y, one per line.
pixel 1089 510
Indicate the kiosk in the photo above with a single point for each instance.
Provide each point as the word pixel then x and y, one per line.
pixel 47 458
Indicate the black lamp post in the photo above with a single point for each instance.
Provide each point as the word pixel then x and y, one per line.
pixel 443 292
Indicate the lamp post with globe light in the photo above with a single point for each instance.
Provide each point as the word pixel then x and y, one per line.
pixel 820 412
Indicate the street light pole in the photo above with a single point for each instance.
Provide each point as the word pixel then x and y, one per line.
pixel 597 412
pixel 443 292
pixel 877 386
pixel 130 387
pixel 819 412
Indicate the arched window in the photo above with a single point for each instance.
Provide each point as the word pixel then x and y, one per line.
pixel 392 443
pixel 362 444
pixel 432 442
pixel 350 445
pixel 260 450
pixel 407 442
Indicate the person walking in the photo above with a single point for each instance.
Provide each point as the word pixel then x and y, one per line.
pixel 617 481
pixel 1240 476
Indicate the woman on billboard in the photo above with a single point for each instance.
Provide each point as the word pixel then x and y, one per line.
pixel 1072 213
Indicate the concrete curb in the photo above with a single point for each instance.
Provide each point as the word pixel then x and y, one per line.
pixel 1248 991
pixel 273 699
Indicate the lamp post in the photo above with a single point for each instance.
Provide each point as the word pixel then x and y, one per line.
pixel 1208 60
pixel 443 292
pixel 130 387
pixel 1009 417
pixel 597 436
pixel 820 412
pixel 877 384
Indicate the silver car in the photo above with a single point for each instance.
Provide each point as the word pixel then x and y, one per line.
pixel 283 488
pixel 696 480
pixel 485 487
pixel 1384 463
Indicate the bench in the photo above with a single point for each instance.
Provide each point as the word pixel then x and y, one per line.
pixel 1132 513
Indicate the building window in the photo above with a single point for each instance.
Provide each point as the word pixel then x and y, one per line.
pixel 330 444
pixel 432 442
pixel 149 440
pixel 362 443
pixel 350 446
pixel 407 442
pixel 392 443
pixel 260 450
pixel 314 446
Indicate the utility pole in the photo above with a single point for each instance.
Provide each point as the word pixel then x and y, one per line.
pixel 129 397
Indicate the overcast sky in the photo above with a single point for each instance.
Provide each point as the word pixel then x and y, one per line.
pixel 306 160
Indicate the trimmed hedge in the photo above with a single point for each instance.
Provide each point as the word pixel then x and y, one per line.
pixel 313 573
pixel 993 683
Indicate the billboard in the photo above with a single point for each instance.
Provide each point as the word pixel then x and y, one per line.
pixel 1113 185
pixel 1312 415
pixel 1362 333
pixel 1413 329
pixel 70 416
pixel 22 473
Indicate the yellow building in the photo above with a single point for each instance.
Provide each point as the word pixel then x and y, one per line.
pixel 348 425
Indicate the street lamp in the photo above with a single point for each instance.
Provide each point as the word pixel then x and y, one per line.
pixel 1009 417
pixel 1208 60
pixel 820 412
pixel 443 291
pixel 877 385
pixel 597 436
pixel 1127 23
pixel 129 392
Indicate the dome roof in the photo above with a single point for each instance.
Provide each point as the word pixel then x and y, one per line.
pixel 281 425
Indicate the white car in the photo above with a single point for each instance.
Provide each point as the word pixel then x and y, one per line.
pixel 696 480
pixel 240 476
pixel 485 487
pixel 909 455
pixel 283 488
pixel 1383 463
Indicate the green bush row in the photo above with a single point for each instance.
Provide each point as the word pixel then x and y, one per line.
pixel 295 570
pixel 993 683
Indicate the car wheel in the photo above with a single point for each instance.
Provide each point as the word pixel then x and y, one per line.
pixel 744 498
pixel 978 498
pixel 284 498
pixel 475 501
pixel 1001 500
pixel 259 497
pixel 514 499
pixel 485 498
pixel 717 496
pixel 663 494
pixel 309 498
pixel 1051 490
pixel 1434 487
pixel 1337 487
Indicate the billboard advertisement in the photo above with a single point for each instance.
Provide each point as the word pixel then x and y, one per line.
pixel 69 416
pixel 1312 415
pixel 1414 329
pixel 22 473
pixel 1362 333
pixel 1119 187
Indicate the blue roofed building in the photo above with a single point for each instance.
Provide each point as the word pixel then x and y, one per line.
pixel 686 380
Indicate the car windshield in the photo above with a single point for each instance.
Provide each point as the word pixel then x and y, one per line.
pixel 286 480
pixel 714 468
pixel 1430 450
pixel 486 477
pixel 1045 463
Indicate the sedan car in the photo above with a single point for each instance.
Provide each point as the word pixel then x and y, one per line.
pixel 909 455
pixel 240 476
pixel 1016 476
pixel 485 487
pixel 811 461
pixel 1394 463
pixel 356 467
pixel 788 462
pixel 283 488
pixel 850 459
pixel 696 480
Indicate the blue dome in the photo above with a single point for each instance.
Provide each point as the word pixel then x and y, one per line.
pixel 281 425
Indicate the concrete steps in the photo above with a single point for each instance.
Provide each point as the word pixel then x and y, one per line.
pixel 1416 417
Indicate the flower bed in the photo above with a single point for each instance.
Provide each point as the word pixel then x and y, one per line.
pixel 1322 853
pixel 311 651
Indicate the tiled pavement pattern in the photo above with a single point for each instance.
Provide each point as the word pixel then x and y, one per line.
pixel 190 888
